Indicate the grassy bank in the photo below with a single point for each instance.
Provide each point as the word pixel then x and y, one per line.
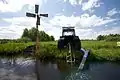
pixel 13 48
pixel 100 50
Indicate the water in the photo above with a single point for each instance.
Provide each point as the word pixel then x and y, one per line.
pixel 24 69
pixel 17 69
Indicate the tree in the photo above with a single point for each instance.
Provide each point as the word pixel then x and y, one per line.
pixel 31 33
pixel 52 38
pixel 100 37
pixel 110 37
pixel 25 33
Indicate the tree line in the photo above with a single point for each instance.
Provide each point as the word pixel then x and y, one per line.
pixel 110 37
pixel 31 35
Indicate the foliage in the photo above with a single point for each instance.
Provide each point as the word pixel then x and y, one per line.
pixel 20 40
pixel 100 37
pixel 23 39
pixel 13 48
pixel 100 50
pixel 110 37
pixel 31 33
pixel 25 33
pixel 3 41
pixel 52 38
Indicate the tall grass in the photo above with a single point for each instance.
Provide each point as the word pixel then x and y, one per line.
pixel 13 48
pixel 100 50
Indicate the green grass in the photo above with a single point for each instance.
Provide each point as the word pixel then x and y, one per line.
pixel 49 50
pixel 100 50
pixel 99 44
pixel 13 48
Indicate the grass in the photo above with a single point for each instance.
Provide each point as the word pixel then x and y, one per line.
pixel 49 50
pixel 13 48
pixel 100 50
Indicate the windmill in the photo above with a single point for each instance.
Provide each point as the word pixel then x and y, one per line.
pixel 38 16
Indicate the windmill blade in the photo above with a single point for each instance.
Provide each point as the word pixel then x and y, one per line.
pixel 30 15
pixel 36 8
pixel 45 15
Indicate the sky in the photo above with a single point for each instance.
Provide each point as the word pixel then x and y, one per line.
pixel 89 17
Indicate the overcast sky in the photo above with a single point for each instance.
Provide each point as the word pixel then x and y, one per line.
pixel 90 17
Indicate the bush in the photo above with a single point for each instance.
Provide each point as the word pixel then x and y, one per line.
pixel 110 37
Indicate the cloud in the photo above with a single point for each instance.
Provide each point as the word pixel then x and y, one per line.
pixel 92 33
pixel 83 33
pixel 21 13
pixel 4 1
pixel 60 15
pixel 4 23
pixel 50 29
pixel 84 21
pixel 113 30
pixel 73 2
pixel 16 5
pixel 27 22
pixel 18 24
pixel 64 21
pixel 55 31
pixel 15 31
pixel 22 21
pixel 112 12
pixel 91 4
pixel 10 32
pixel 8 36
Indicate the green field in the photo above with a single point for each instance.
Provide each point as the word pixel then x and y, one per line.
pixel 100 50
pixel 103 50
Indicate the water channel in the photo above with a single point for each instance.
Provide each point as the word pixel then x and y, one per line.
pixel 25 69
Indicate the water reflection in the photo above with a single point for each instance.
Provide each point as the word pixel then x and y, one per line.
pixel 29 69
pixel 91 71
pixel 13 69
pixel 59 71
pixel 48 71
pixel 104 71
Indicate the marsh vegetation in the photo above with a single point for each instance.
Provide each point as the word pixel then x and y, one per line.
pixel 100 50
